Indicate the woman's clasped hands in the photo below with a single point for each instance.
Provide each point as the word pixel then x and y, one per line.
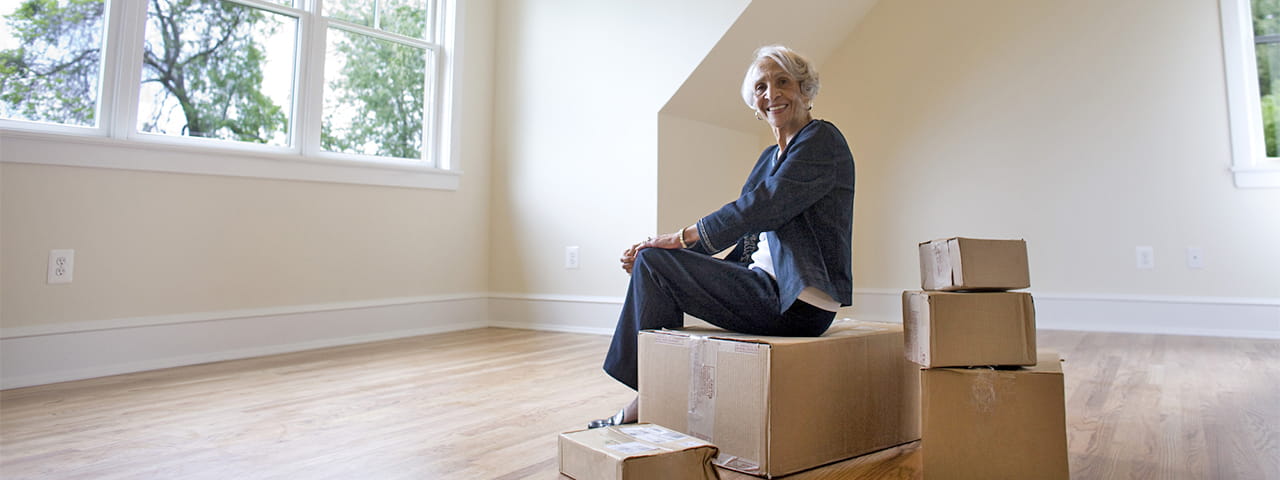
pixel 666 240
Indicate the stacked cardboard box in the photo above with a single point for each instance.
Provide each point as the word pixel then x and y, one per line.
pixel 778 405
pixel 991 405
pixel 635 452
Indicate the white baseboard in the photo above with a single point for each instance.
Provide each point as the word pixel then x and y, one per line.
pixel 1170 315
pixel 1200 316
pixel 36 356
pixel 56 353
pixel 557 313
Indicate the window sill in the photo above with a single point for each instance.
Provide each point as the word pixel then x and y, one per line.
pixel 1257 177
pixel 99 152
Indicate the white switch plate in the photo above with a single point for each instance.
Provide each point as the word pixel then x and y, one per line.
pixel 571 257
pixel 1146 257
pixel 1195 257
pixel 62 264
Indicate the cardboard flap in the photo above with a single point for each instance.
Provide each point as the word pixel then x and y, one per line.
pixel 840 328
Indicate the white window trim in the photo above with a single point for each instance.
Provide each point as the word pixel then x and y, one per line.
pixel 215 157
pixel 1250 165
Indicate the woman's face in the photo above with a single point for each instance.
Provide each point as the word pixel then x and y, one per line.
pixel 777 97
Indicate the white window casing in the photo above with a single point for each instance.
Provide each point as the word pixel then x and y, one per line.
pixel 303 159
pixel 1250 164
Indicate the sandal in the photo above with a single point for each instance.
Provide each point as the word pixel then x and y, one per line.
pixel 617 419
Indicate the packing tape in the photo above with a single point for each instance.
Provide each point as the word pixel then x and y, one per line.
pixel 957 266
pixel 738 463
pixel 918 342
pixel 941 264
pixel 987 387
pixel 702 388
pixel 851 325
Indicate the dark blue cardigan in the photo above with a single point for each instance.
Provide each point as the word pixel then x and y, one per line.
pixel 805 203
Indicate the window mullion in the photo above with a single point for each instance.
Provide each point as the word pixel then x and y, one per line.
pixel 120 92
pixel 108 76
pixel 310 84
pixel 431 110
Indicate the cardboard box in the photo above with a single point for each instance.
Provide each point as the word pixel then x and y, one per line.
pixel 777 405
pixel 635 452
pixel 983 423
pixel 948 329
pixel 957 263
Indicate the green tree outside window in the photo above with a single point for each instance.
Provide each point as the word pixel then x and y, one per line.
pixel 207 65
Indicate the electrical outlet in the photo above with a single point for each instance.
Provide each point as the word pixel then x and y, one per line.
pixel 571 257
pixel 1195 257
pixel 62 264
pixel 1146 258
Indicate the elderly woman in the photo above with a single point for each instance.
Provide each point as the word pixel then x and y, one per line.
pixel 791 227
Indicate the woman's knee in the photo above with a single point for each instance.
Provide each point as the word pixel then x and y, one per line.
pixel 653 259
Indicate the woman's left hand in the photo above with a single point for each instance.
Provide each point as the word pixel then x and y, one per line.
pixel 670 241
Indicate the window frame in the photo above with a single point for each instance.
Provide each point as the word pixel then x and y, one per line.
pixel 304 158
pixel 1249 165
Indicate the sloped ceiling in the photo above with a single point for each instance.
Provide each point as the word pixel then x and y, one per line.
pixel 815 28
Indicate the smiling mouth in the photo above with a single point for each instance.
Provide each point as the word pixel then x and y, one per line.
pixel 778 107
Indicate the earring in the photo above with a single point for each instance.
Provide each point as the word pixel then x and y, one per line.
pixel 757 115
pixel 811 107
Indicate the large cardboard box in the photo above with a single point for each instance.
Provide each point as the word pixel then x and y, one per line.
pixel 948 329
pixel 777 405
pixel 989 424
pixel 635 452
pixel 958 263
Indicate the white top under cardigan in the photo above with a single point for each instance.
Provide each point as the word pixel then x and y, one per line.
pixel 810 295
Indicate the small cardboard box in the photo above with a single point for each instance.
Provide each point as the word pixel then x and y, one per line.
pixel 778 405
pixel 983 423
pixel 949 329
pixel 635 452
pixel 958 263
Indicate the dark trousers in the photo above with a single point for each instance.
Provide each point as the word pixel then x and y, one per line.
pixel 666 284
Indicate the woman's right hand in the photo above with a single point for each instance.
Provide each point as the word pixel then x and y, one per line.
pixel 629 257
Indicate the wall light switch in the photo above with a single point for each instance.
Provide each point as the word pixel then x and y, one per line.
pixel 571 257
pixel 1146 258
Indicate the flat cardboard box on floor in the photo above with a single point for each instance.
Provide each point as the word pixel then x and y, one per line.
pixel 635 452
pixel 982 423
pixel 975 264
pixel 949 329
pixel 778 405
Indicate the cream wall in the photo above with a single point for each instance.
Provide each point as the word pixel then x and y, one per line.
pixel 160 244
pixel 579 87
pixel 1086 127
pixel 702 167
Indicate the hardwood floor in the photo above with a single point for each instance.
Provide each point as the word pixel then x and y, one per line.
pixel 487 404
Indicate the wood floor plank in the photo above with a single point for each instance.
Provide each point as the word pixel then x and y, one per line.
pixel 488 404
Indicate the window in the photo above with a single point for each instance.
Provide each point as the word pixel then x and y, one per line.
pixel 337 83
pixel 1251 51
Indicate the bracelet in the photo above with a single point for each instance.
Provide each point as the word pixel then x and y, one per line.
pixel 682 242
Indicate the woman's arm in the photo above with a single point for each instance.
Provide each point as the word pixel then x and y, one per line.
pixel 806 175
pixel 689 235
